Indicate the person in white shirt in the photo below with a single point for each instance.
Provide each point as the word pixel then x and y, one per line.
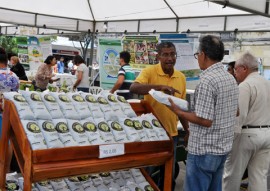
pixel 251 146
pixel 82 73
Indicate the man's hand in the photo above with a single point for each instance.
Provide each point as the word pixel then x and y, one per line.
pixel 169 90
pixel 174 107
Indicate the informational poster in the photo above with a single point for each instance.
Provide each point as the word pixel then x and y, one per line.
pixel 109 50
pixel 22 44
pixel 45 46
pixel 142 49
pixel 34 53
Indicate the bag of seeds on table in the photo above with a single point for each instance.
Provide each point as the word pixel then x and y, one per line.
pixel 140 130
pixel 87 183
pixel 79 104
pixel 66 105
pixel 133 186
pixel 93 105
pixel 128 125
pixel 118 179
pixel 127 176
pixel 137 175
pixel 34 135
pixel 65 136
pixel 145 186
pixel 78 133
pixel 96 179
pixel 50 134
pixel 36 104
pixel 59 184
pixel 12 182
pixel 126 107
pixel 104 130
pixel 150 132
pixel 74 184
pixel 44 186
pixel 92 132
pixel 106 178
pixel 51 105
pixel 112 186
pixel 21 105
pixel 160 131
pixel 118 132
pixel 164 98
pixel 112 100
pixel 105 108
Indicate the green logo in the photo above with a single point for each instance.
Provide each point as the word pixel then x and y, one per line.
pixel 33 127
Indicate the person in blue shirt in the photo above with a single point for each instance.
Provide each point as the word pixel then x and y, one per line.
pixel 61 65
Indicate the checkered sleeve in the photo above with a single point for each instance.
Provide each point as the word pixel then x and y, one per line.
pixel 205 103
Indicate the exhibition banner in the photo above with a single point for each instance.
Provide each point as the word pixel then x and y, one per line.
pixel 142 49
pixel 22 44
pixel 109 50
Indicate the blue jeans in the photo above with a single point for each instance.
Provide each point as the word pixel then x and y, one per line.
pixel 204 172
pixel 83 89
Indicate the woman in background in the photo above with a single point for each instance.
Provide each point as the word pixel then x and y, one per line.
pixel 45 73
pixel 17 68
pixel 82 73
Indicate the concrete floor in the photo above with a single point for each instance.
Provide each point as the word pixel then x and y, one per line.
pixel 181 177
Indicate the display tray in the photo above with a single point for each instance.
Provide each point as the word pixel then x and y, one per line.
pixel 46 164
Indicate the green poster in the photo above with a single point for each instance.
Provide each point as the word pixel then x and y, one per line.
pixel 109 61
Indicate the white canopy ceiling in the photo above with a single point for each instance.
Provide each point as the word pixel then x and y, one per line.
pixel 140 16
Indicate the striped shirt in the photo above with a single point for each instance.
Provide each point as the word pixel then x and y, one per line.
pixel 129 74
pixel 216 99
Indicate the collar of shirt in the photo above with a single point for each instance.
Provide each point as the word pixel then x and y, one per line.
pixel 251 75
pixel 215 66
pixel 161 73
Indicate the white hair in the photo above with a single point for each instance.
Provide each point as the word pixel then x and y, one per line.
pixel 248 60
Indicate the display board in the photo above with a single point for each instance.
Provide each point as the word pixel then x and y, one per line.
pixel 108 53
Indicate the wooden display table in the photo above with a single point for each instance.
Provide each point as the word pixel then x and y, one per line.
pixel 47 164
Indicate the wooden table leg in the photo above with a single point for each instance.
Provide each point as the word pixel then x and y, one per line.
pixel 168 175
pixel 4 147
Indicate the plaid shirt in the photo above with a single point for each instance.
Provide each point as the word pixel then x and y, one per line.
pixel 216 99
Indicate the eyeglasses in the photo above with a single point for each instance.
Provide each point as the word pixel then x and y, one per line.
pixel 196 55
pixel 166 55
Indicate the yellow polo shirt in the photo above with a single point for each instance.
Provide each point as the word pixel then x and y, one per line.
pixel 154 75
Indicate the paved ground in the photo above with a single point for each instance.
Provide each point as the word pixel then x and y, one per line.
pixel 180 178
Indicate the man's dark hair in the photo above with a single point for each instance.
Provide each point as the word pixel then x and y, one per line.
pixel 165 45
pixel 125 56
pixel 78 59
pixel 3 56
pixel 212 47
pixel 232 64
pixel 49 59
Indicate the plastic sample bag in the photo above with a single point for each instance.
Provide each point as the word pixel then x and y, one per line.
pixel 137 175
pixel 146 186
pixel 51 105
pixel 34 135
pixel 140 130
pixel 150 132
pixel 163 98
pixel 74 184
pixel 104 130
pixel 21 105
pixel 65 136
pixel 105 108
pixel 87 184
pixel 93 105
pixel 118 132
pixel 59 184
pixel 44 186
pixel 36 104
pixel 126 107
pixel 112 100
pixel 78 132
pixel 128 126
pixel 50 134
pixel 92 132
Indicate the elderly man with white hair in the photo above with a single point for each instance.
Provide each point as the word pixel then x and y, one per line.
pixel 251 147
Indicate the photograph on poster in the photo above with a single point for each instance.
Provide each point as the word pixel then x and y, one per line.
pixel 24 58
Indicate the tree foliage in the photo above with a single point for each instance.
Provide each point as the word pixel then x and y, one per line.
pixel 9 44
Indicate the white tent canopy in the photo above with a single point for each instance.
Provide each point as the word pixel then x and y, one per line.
pixel 140 16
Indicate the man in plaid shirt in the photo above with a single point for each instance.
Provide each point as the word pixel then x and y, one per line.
pixel 212 121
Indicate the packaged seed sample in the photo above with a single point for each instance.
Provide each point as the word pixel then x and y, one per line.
pixel 97 180
pixel 137 175
pixel 104 130
pixel 92 132
pixel 59 184
pixel 105 108
pixel 44 186
pixel 126 107
pixel 160 131
pixel 65 136
pixel 140 130
pixel 51 105
pixel 21 105
pixel 148 128
pixel 87 183
pixel 80 105
pixel 127 176
pixel 133 186
pixel 50 134
pixel 66 106
pixel 36 104
pixel 117 177
pixel 146 186
pixel 93 105
pixel 112 100
pixel 74 184
pixel 128 126
pixel 34 135
pixel 78 132
pixel 118 132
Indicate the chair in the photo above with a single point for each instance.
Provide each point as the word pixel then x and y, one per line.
pixel 95 90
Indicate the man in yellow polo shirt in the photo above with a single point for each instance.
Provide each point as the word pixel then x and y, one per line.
pixel 163 77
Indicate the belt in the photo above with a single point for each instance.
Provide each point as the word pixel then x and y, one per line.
pixel 253 127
